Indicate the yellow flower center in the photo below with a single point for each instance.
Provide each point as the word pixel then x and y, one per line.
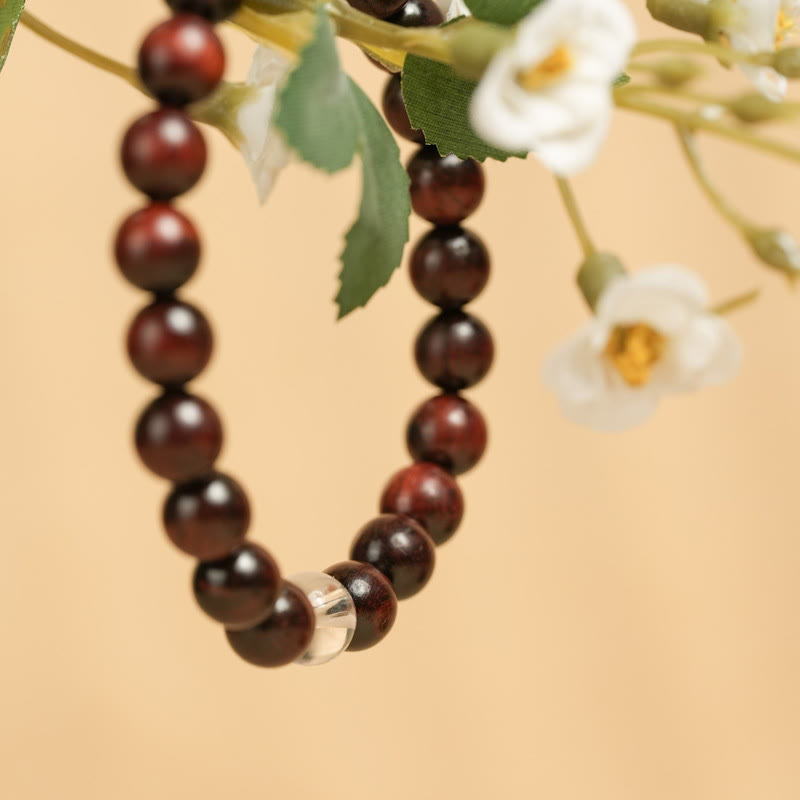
pixel 783 27
pixel 633 351
pixel 546 72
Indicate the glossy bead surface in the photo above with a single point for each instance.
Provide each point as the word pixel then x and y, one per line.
pixel 181 60
pixel 240 589
pixel 450 267
pixel 157 248
pixel 447 430
pixel 454 351
pixel 213 10
pixel 208 517
pixel 170 342
pixel 334 615
pixel 283 636
pixel 417 14
pixel 444 189
pixel 394 109
pixel 377 8
pixel 398 547
pixel 427 494
pixel 179 436
pixel 374 598
pixel 163 154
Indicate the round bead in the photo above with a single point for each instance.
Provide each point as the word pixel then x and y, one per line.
pixel 454 351
pixel 170 342
pixel 444 189
pixel 240 589
pixel 179 436
pixel 377 8
pixel 394 109
pixel 450 267
pixel 213 10
pixel 283 636
pixel 417 14
pixel 429 495
pixel 157 248
pixel 447 430
pixel 163 154
pixel 400 549
pixel 207 517
pixel 374 598
pixel 182 60
pixel 334 614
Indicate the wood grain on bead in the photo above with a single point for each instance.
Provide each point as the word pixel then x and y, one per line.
pixel 454 351
pixel 450 267
pixel 212 10
pixel 181 60
pixel 394 109
pixel 157 248
pixel 208 517
pixel 400 548
pixel 428 494
pixel 163 154
pixel 417 14
pixel 239 590
pixel 444 189
pixel 374 598
pixel 170 342
pixel 447 430
pixel 179 436
pixel 283 636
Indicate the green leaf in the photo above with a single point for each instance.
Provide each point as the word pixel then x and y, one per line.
pixel 502 12
pixel 438 103
pixel 316 110
pixel 374 245
pixel 622 80
pixel 10 12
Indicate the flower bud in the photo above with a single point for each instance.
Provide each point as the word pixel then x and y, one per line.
pixel 786 61
pixel 684 15
pixel 777 249
pixel 595 275
pixel 675 72
pixel 755 107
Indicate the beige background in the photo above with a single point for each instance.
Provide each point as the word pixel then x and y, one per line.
pixel 618 619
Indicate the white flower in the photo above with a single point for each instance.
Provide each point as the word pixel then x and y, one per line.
pixel 759 26
pixel 262 146
pixel 652 335
pixel 453 9
pixel 550 91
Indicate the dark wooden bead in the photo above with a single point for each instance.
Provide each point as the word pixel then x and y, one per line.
pixel 417 14
pixel 377 8
pixel 179 436
pixel 213 10
pixel 454 351
pixel 447 430
pixel 157 248
pixel 450 267
pixel 208 517
pixel 163 154
pixel 444 189
pixel 283 636
pixel 429 495
pixel 240 589
pixel 182 60
pixel 394 109
pixel 374 598
pixel 170 342
pixel 398 547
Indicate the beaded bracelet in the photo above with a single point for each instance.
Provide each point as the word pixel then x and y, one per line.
pixel 312 617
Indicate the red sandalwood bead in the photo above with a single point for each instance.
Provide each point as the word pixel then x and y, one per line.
pixel 179 436
pixel 377 8
pixel 207 517
pixel 163 154
pixel 374 599
pixel 447 430
pixel 157 248
pixel 400 548
pixel 182 60
pixel 417 14
pixel 240 589
pixel 450 267
pixel 212 10
pixel 429 495
pixel 394 109
pixel 444 189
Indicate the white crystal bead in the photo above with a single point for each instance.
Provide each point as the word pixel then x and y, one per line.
pixel 335 615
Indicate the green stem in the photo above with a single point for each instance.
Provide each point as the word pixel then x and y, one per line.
pixel 571 204
pixel 736 303
pixel 711 49
pixel 128 74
